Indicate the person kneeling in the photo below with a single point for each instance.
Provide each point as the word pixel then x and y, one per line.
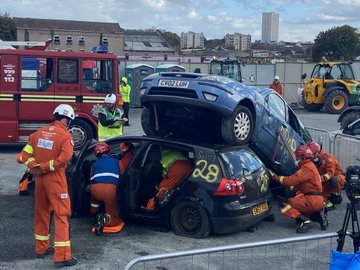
pixel 105 175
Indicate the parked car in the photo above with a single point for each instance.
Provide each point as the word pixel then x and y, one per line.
pixel 217 109
pixel 227 190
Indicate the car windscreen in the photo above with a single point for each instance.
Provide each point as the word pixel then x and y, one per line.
pixel 240 163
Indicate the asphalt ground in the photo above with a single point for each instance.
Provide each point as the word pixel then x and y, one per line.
pixel 17 249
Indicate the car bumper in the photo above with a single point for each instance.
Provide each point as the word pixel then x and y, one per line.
pixel 239 219
pixel 216 106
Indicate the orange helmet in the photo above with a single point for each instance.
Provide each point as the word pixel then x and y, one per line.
pixel 303 152
pixel 101 148
pixel 314 147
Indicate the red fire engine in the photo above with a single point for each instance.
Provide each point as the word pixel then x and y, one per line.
pixel 33 83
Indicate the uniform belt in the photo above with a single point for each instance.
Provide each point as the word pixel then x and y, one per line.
pixel 314 193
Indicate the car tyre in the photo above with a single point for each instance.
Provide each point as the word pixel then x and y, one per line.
pixel 312 107
pixel 336 101
pixel 81 132
pixel 349 118
pixel 189 219
pixel 237 129
pixel 148 122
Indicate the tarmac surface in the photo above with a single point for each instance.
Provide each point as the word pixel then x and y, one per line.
pixel 115 251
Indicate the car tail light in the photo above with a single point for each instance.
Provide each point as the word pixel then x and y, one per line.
pixel 228 187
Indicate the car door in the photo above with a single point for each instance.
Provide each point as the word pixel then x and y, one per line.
pixel 276 139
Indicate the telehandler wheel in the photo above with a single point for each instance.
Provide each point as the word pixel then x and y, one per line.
pixel 336 101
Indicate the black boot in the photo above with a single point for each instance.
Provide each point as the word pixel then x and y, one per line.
pixel 317 217
pixel 335 199
pixel 305 224
pixel 101 220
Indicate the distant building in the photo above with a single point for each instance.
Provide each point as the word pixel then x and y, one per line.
pixel 147 44
pixel 270 27
pixel 192 40
pixel 238 41
pixel 71 35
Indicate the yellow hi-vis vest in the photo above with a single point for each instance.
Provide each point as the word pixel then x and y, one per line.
pixel 114 130
pixel 125 92
pixel 168 157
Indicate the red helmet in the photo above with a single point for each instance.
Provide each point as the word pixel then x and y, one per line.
pixel 101 148
pixel 314 147
pixel 303 152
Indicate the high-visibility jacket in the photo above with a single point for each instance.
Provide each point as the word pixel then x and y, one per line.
pixel 125 90
pixel 168 157
pixel 114 129
pixel 105 170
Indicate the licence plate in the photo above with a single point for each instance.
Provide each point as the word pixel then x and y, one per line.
pixel 173 83
pixel 260 209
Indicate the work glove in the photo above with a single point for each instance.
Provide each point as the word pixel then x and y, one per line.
pixel 36 171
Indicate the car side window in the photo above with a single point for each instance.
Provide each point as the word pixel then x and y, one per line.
pixel 277 106
pixel 240 163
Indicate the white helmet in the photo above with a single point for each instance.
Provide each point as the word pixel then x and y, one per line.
pixel 65 110
pixel 276 77
pixel 110 98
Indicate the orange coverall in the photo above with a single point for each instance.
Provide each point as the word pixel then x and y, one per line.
pixel 177 172
pixel 277 87
pixel 329 167
pixel 106 192
pixel 305 181
pixel 47 152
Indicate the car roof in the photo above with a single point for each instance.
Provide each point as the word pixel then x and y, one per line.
pixel 216 147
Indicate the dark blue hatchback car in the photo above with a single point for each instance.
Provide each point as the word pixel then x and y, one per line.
pixel 226 191
pixel 216 109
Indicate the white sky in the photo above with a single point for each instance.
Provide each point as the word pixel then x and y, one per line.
pixel 300 20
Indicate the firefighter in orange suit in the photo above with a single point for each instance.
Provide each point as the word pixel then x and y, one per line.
pixel 175 168
pixel 105 175
pixel 308 202
pixel 128 153
pixel 46 155
pixel 331 173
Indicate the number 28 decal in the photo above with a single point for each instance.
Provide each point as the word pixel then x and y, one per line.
pixel 208 172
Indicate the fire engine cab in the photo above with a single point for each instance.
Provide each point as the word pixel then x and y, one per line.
pixel 34 82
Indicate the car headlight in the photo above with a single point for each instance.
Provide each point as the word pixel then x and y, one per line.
pixel 142 91
pixel 210 97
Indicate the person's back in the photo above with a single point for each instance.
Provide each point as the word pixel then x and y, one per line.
pixel 105 175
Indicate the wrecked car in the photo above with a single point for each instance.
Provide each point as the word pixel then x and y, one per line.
pixel 226 191
pixel 216 109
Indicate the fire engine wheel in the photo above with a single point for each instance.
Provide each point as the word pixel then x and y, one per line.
pixel 237 129
pixel 336 101
pixel 189 219
pixel 81 132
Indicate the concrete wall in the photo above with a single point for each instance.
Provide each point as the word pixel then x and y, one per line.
pixel 263 74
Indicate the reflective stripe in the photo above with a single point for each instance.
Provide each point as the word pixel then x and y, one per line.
pixel 286 208
pixel 95 205
pixel 281 179
pixel 28 149
pixel 62 244
pixel 42 237
pixel 51 165
pixel 327 176
pixel 29 160
pixel 105 174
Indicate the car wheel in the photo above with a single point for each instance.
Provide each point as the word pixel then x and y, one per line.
pixel 238 128
pixel 336 101
pixel 189 219
pixel 349 118
pixel 148 121
pixel 81 132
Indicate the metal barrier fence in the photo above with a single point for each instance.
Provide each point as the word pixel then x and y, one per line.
pixel 306 252
pixel 344 147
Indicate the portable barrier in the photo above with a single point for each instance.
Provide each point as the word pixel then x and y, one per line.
pixel 305 252
pixel 321 136
pixel 346 149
